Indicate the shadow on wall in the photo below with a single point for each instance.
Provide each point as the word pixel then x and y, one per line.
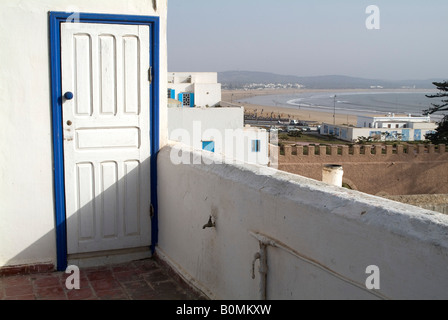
pixel 111 214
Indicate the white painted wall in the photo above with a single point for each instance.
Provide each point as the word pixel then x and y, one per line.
pixel 204 85
pixel 27 233
pixel 423 126
pixel 341 231
pixel 379 122
pixel 207 94
pixel 354 134
pixel 193 77
pixel 221 125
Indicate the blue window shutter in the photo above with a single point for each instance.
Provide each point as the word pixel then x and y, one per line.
pixel 256 145
pixel 406 135
pixel 173 94
pixel 417 135
pixel 181 98
pixel 208 146
pixel 191 100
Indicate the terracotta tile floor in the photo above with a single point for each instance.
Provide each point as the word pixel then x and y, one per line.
pixel 138 280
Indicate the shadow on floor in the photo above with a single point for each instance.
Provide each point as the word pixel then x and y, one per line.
pixel 138 280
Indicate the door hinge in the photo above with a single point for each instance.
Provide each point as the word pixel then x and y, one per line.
pixel 150 75
pixel 151 211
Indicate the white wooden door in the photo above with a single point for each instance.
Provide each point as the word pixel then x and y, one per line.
pixel 106 135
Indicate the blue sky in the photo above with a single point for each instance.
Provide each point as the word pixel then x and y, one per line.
pixel 310 37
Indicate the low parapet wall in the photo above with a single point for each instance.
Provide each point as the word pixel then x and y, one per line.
pixel 433 202
pixel 375 169
pixel 317 241
pixel 224 104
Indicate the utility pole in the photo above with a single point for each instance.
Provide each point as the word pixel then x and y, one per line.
pixel 334 113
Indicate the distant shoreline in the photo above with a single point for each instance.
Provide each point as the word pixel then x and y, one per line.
pixel 320 116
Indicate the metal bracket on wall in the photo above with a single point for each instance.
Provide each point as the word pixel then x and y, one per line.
pixel 266 241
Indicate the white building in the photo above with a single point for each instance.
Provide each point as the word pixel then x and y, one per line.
pixel 389 128
pixel 83 100
pixel 86 176
pixel 210 128
pixel 194 88
pixel 221 131
pixel 392 121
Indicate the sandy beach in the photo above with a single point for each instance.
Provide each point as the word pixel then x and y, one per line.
pixel 291 113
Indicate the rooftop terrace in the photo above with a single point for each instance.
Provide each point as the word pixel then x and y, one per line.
pixel 147 279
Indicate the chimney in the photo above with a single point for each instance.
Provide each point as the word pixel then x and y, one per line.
pixel 332 174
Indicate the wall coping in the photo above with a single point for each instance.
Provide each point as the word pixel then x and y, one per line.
pixel 398 218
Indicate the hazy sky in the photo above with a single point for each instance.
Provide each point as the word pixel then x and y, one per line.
pixel 310 37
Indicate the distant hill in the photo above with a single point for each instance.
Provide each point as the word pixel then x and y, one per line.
pixel 241 78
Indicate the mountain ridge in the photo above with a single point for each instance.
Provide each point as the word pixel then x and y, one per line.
pixel 234 79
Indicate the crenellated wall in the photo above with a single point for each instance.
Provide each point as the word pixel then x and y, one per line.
pixel 375 169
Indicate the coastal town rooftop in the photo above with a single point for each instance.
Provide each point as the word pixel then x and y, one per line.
pixel 231 230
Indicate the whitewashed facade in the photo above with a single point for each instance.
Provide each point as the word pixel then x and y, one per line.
pixel 199 89
pixel 59 133
pixel 391 121
pixel 74 92
pixel 221 131
pixel 389 128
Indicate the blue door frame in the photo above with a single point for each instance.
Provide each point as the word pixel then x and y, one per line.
pixel 55 20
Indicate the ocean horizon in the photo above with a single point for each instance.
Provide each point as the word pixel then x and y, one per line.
pixel 379 103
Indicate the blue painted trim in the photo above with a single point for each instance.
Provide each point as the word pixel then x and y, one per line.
pixel 155 129
pixel 417 135
pixel 58 144
pixel 173 94
pixel 191 100
pixel 256 145
pixel 55 19
pixel 208 146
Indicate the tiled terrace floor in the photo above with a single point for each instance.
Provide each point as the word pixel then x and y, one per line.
pixel 138 280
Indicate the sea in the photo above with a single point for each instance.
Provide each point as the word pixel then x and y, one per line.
pixel 379 103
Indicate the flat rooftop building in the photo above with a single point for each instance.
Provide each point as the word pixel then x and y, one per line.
pixel 387 128
pixel 194 88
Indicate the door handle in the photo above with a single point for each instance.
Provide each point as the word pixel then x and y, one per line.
pixel 68 95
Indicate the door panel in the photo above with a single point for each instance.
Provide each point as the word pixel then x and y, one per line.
pixel 406 134
pixel 417 135
pixel 106 135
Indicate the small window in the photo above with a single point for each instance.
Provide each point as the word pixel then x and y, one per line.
pixel 397 126
pixel 256 145
pixel 171 94
pixel 389 126
pixel 208 146
pixel 186 100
